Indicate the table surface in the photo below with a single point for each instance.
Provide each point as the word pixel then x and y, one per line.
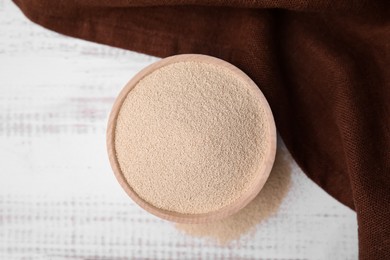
pixel 58 196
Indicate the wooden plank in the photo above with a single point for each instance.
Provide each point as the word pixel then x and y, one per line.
pixel 58 196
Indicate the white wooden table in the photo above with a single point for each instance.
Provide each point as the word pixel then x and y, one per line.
pixel 58 196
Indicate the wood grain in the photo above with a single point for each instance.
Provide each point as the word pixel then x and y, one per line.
pixel 58 197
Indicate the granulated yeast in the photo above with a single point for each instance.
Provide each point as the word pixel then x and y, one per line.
pixel 190 137
pixel 262 207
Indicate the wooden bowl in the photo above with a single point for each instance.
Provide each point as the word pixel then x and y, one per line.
pixel 228 210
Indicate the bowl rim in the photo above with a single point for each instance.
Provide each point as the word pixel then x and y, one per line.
pixel 263 170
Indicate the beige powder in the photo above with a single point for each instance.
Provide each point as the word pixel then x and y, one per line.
pixel 262 207
pixel 190 137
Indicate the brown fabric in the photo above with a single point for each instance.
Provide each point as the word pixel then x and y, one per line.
pixel 323 66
